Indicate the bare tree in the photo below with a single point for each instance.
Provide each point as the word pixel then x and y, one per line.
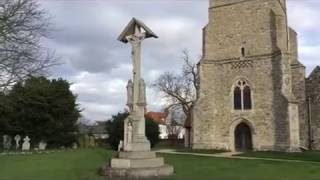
pixel 174 123
pixel 181 90
pixel 23 25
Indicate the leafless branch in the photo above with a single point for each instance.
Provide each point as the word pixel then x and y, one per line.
pixel 23 25
pixel 180 90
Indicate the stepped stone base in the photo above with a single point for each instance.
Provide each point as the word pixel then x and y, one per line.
pixel 137 173
pixel 137 155
pixel 136 165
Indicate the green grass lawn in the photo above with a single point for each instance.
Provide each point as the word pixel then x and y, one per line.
pixel 83 164
pixel 305 156
pixel 69 165
pixel 207 168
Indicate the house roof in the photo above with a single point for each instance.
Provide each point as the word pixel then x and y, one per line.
pixel 158 117
pixel 98 128
pixel 131 28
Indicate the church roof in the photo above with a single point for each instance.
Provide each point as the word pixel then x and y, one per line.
pixel 315 72
pixel 130 29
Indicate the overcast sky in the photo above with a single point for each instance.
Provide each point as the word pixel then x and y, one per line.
pixel 99 66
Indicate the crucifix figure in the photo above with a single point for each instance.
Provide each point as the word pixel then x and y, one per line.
pixel 135 33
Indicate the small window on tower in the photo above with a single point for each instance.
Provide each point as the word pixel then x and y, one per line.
pixel 243 52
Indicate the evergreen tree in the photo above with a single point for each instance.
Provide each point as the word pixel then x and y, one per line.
pixel 44 110
pixel 5 111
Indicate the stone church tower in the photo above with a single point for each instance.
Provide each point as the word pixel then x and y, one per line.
pixel 252 86
pixel 313 99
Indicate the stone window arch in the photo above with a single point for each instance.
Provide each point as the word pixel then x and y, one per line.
pixel 242 95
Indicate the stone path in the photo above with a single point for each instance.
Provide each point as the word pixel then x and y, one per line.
pixel 232 155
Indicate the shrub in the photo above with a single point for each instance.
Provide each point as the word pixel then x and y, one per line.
pixel 115 129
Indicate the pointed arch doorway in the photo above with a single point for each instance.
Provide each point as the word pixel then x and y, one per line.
pixel 243 138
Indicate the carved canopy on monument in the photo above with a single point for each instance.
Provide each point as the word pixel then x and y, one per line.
pixel 131 28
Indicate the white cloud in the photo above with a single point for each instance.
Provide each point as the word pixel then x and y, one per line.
pixel 100 78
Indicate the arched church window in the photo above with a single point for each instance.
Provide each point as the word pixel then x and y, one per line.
pixel 242 96
pixel 237 98
pixel 246 97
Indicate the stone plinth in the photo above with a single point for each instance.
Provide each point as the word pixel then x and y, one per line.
pixel 132 165
pixel 137 155
pixel 137 173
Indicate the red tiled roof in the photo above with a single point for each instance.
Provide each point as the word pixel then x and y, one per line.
pixel 158 117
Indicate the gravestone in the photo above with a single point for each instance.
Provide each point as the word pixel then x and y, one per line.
pixel 136 160
pixel 7 142
pixel 74 146
pixel 26 144
pixel 17 138
pixel 81 142
pixel 42 145
pixel 86 141
pixel 92 142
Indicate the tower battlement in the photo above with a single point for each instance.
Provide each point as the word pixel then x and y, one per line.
pixel 217 3
pixel 220 3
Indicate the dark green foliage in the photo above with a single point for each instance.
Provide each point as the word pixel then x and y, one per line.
pixel 5 110
pixel 115 129
pixel 44 110
pixel 152 131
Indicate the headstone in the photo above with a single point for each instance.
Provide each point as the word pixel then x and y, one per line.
pixel 42 145
pixel 86 141
pixel 4 141
pixel 7 142
pixel 92 142
pixel 81 142
pixel 74 146
pixel 17 138
pixel 26 144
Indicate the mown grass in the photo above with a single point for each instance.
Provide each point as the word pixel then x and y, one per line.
pixel 305 156
pixel 190 167
pixel 83 164
pixel 79 164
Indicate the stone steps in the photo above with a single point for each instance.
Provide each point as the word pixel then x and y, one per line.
pixel 137 155
pixel 137 163
pixel 137 173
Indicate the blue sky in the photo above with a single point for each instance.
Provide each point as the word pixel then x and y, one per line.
pixel 99 66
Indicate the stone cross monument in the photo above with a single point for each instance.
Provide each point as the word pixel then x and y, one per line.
pixel 135 139
pixel 136 160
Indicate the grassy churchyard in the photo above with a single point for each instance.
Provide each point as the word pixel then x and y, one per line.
pixel 82 164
